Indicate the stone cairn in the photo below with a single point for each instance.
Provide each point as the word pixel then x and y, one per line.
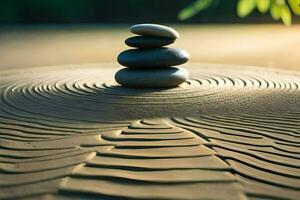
pixel 150 64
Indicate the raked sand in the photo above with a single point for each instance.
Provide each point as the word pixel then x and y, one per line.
pixel 70 132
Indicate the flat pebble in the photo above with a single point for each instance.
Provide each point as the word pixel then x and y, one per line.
pixel 155 78
pixel 152 58
pixel 154 30
pixel 148 41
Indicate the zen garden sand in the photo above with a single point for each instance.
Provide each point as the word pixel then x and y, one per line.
pixel 73 132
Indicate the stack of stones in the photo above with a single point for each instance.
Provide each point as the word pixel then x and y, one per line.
pixel 150 64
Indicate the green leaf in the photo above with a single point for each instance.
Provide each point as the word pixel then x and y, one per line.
pixel 286 15
pixel 263 5
pixel 245 7
pixel 194 8
pixel 295 6
pixel 275 11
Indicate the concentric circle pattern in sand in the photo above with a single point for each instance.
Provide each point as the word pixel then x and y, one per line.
pixel 228 133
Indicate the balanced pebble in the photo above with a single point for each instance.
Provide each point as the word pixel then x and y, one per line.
pixel 148 41
pixel 154 30
pixel 150 64
pixel 152 58
pixel 152 78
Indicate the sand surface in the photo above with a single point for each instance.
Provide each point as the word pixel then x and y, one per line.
pixel 70 132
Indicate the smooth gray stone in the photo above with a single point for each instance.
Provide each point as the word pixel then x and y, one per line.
pixel 152 58
pixel 155 78
pixel 154 30
pixel 148 41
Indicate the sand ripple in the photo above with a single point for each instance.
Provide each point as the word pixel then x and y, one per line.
pixel 70 132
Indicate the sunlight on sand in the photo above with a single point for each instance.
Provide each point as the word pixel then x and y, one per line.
pixel 273 46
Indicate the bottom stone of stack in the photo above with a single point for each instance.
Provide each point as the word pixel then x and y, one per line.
pixel 152 78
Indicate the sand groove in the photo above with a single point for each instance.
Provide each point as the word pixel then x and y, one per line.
pixel 146 175
pixel 70 132
pixel 262 155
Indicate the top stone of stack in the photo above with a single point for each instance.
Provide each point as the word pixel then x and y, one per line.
pixel 154 30
pixel 151 36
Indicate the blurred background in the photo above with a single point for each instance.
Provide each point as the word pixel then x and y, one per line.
pixel 262 33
